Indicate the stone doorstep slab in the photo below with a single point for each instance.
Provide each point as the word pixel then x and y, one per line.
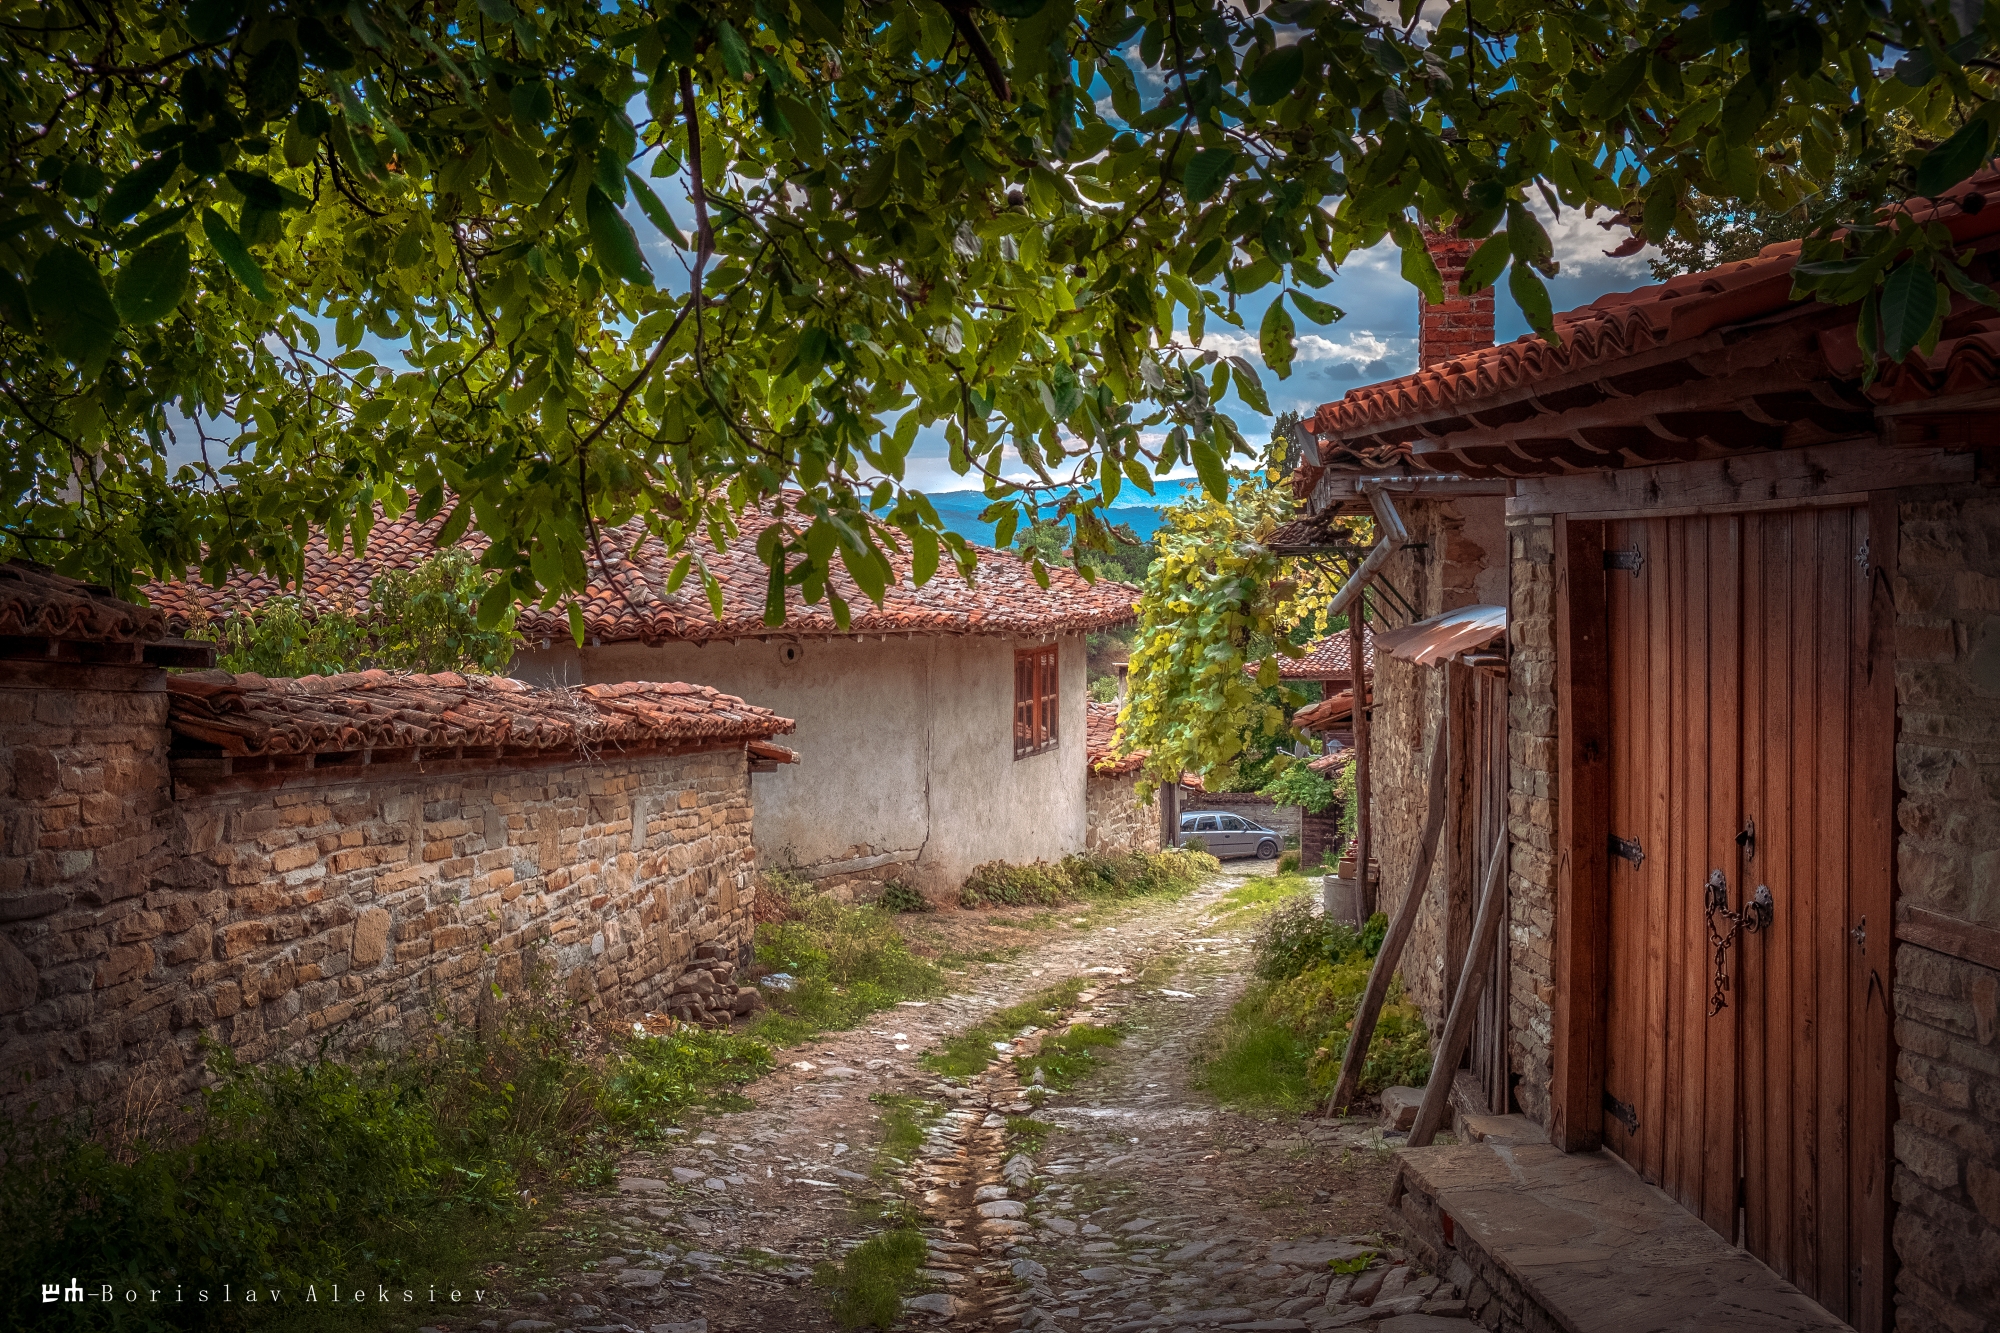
pixel 1590 1246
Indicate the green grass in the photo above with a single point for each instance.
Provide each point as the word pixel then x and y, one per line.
pixel 903 1122
pixel 394 1171
pixel 1027 1134
pixel 848 962
pixel 1067 1058
pixel 868 1285
pixel 1281 1045
pixel 972 1050
pixel 1258 1062
pixel 1263 893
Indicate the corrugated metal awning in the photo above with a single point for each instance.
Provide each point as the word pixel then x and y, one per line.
pixel 1430 641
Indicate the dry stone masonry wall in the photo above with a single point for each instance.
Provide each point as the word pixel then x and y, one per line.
pixel 1115 819
pixel 137 919
pixel 1531 808
pixel 1947 972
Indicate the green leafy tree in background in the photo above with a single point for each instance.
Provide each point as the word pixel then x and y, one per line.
pixel 421 619
pixel 356 248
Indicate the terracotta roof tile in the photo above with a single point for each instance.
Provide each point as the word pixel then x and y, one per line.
pixel 1398 425
pixel 36 602
pixel 1100 729
pixel 252 715
pixel 627 599
pixel 1327 659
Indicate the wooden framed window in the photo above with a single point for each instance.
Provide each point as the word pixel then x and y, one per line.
pixel 1035 701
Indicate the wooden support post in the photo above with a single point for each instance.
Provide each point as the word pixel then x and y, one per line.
pixel 1465 1004
pixel 1391 954
pixel 1364 823
pixel 1581 957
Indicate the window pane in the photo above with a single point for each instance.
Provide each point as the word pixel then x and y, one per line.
pixel 1232 823
pixel 1207 824
pixel 1187 823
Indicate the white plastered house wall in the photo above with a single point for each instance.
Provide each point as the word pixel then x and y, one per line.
pixel 906 752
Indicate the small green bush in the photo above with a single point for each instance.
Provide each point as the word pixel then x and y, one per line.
pixel 1288 862
pixel 1089 875
pixel 900 897
pixel 1297 936
pixel 1300 786
pixel 1194 842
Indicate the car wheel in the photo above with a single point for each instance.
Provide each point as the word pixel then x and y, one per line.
pixel 1267 850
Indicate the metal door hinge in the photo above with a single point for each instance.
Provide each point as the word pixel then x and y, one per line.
pixel 1622 1112
pixel 1860 936
pixel 1747 840
pixel 1632 558
pixel 1861 559
pixel 1628 848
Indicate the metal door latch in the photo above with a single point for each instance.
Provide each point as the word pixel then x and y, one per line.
pixel 1628 848
pixel 1752 917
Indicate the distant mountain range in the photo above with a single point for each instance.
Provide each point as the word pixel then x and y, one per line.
pixel 1144 513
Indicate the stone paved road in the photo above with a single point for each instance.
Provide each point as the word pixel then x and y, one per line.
pixel 1145 1207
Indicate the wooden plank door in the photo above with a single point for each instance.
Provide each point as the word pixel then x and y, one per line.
pixel 1751 733
pixel 1813 994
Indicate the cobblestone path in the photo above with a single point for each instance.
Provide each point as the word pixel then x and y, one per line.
pixel 1144 1206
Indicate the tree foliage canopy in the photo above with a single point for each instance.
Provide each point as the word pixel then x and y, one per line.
pixel 366 247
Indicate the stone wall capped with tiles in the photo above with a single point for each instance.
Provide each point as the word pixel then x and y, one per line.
pixel 1947 980
pixel 1531 808
pixel 135 921
pixel 1115 819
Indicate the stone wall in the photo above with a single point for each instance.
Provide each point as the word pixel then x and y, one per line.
pixel 86 869
pixel 1250 805
pixel 1454 562
pixel 1115 819
pixel 1531 808
pixel 1947 995
pixel 139 919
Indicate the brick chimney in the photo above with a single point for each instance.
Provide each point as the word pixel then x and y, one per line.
pixel 1462 323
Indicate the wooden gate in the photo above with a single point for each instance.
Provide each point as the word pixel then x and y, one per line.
pixel 1744 731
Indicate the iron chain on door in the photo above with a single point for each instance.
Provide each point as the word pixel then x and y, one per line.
pixel 1752 917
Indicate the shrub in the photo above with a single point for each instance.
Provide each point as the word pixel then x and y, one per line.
pixel 1002 883
pixel 650 1082
pixel 425 618
pixel 1288 862
pixel 900 897
pixel 1196 843
pixel 1297 936
pixel 1300 786
pixel 1094 875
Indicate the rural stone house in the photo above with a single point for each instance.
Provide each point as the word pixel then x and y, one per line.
pixel 269 864
pixel 1753 622
pixel 943 729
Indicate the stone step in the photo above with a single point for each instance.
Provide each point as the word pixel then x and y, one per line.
pixel 1538 1238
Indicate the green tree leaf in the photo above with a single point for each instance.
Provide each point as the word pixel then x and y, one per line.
pixel 234 254
pixel 1274 76
pixel 1957 157
pixel 139 187
pixel 72 306
pixel 1525 286
pixel 1909 304
pixel 1485 265
pixel 1276 338
pixel 1613 92
pixel 612 240
pixel 1207 170
pixel 1316 310
pixel 151 283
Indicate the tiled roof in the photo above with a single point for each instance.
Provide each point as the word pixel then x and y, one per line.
pixel 371 710
pixel 628 600
pixel 36 602
pixel 1100 731
pixel 1327 659
pixel 1703 365
pixel 1331 760
pixel 1328 712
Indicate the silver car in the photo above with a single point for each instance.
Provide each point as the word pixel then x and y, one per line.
pixel 1225 834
